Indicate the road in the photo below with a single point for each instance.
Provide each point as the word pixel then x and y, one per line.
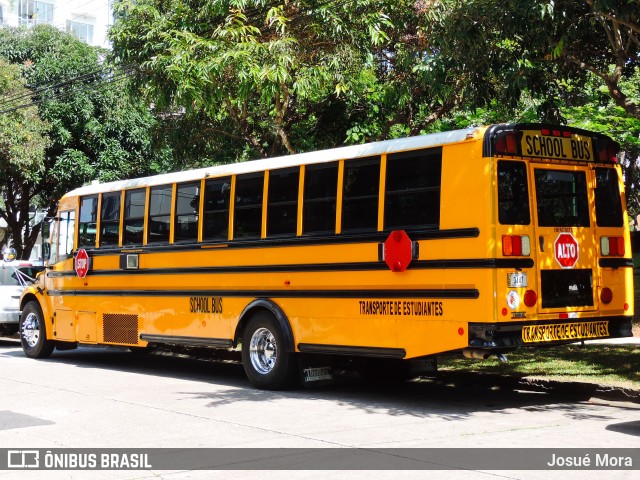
pixel 110 398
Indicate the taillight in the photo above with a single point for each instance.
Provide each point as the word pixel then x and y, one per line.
pixel 606 295
pixel 606 150
pixel 506 144
pixel 516 245
pixel 612 246
pixel 530 298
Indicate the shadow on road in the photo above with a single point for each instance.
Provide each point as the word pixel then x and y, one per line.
pixel 442 396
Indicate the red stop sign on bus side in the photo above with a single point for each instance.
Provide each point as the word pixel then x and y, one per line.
pixel 398 251
pixel 566 250
pixel 82 263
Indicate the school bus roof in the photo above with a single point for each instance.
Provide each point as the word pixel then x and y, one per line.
pixel 320 156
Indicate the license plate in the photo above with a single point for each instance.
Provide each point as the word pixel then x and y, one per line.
pixel 564 331
pixel 516 280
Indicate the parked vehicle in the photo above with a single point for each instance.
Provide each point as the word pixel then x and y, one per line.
pixel 15 275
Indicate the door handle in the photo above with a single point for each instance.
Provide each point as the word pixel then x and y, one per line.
pixel 541 241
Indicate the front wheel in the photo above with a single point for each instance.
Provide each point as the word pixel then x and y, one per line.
pixel 266 362
pixel 33 333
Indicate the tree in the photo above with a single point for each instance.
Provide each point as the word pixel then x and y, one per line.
pixel 23 142
pixel 256 78
pixel 507 47
pixel 599 112
pixel 96 132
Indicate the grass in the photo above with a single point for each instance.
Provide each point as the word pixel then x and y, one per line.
pixel 610 365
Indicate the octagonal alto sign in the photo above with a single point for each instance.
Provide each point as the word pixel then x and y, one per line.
pixel 566 250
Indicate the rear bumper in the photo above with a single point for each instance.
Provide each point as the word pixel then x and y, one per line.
pixel 509 335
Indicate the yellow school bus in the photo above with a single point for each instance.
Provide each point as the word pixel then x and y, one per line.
pixel 479 241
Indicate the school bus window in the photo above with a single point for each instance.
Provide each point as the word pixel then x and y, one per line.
pixel 513 194
pixel 110 219
pixel 87 223
pixel 187 208
pixel 134 210
pixel 608 200
pixel 360 194
pixel 159 214
pixel 216 209
pixel 413 189
pixel 248 205
pixel 320 191
pixel 562 198
pixel 282 210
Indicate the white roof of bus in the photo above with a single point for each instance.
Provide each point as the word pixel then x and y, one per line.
pixel 320 156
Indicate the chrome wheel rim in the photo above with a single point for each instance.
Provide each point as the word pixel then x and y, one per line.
pixel 263 351
pixel 30 331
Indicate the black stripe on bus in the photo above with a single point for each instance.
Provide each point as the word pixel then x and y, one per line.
pixel 311 240
pixel 462 293
pixel 516 263
pixel 191 341
pixel 379 352
pixel 615 262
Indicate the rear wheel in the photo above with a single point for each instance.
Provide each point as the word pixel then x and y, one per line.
pixel 33 333
pixel 266 362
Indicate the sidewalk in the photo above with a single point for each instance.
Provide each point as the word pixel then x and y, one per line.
pixel 615 341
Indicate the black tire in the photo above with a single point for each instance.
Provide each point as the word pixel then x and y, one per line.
pixel 33 332
pixel 266 362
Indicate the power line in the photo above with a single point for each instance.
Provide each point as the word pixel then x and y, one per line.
pixel 11 99
pixel 84 87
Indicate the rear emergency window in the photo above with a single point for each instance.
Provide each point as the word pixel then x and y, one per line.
pixel 562 198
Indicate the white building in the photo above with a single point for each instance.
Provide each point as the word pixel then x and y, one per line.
pixel 89 20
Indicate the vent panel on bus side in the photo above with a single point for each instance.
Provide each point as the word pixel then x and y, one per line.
pixel 120 328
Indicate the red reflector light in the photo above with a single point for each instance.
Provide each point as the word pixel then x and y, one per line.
pixel 566 134
pixel 530 298
pixel 556 133
pixel 563 315
pixel 606 295
pixel 545 131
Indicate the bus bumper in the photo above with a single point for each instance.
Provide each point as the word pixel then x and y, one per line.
pixel 510 335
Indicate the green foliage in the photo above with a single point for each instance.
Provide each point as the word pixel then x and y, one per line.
pixel 283 77
pixel 95 132
pixel 23 142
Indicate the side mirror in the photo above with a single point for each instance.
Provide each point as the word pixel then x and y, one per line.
pixel 45 233
pixel 46 250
